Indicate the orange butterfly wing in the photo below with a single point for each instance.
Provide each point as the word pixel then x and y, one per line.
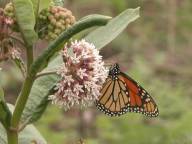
pixel 140 100
pixel 123 94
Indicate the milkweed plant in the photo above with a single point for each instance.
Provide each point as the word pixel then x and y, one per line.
pixel 68 72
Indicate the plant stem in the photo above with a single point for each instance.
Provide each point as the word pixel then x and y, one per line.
pixel 21 101
pixel 29 52
pixel 12 137
pixel 27 85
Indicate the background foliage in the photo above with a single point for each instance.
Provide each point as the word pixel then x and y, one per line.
pixel 156 51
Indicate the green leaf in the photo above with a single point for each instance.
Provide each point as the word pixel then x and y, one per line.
pixel 94 15
pixel 5 114
pixel 35 6
pixel 59 2
pixel 104 35
pixel 28 136
pixel 26 19
pixel 3 136
pixel 44 4
pixel 1 94
pixel 38 101
pixel 31 134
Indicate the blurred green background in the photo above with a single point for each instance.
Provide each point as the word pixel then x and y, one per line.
pixel 156 51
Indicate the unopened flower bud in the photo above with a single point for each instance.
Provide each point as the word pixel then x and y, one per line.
pixel 54 20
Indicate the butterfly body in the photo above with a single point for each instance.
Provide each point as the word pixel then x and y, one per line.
pixel 121 94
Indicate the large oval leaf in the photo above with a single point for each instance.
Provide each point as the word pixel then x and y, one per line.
pixel 26 19
pixel 31 134
pixel 100 37
pixel 104 35
pixel 37 101
pixel 5 114
pixel 28 136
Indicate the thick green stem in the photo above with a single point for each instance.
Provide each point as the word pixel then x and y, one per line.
pixel 12 137
pixel 27 85
pixel 21 101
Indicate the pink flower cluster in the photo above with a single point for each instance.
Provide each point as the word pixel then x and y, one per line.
pixel 83 74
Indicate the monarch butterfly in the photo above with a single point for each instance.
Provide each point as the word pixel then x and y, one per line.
pixel 121 94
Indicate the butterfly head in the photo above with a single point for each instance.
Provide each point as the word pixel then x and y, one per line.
pixel 114 71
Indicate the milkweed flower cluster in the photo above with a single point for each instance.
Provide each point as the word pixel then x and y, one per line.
pixel 82 75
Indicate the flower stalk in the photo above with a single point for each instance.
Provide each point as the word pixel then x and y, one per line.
pixel 29 52
pixel 12 137
pixel 21 101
